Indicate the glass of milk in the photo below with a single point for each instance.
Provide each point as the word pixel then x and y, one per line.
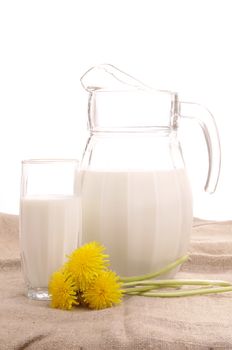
pixel 49 220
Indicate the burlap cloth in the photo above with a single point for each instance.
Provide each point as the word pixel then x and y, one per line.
pixel 200 322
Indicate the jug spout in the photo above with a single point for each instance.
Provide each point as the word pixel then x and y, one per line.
pixel 106 77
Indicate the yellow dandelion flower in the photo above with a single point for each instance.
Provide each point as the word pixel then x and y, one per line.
pixel 62 290
pixel 104 291
pixel 85 263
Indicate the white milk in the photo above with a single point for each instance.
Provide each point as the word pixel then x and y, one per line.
pixel 49 231
pixel 143 218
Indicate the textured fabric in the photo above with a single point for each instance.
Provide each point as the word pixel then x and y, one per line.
pixel 200 322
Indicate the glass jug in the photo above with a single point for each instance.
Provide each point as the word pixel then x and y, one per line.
pixel 135 193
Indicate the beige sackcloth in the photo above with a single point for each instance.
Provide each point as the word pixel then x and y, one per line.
pixel 198 322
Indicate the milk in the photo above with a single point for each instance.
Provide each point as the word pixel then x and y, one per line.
pixel 49 231
pixel 144 218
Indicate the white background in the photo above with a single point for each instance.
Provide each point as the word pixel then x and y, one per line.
pixel 45 47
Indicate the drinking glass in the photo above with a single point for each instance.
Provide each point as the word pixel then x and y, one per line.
pixel 49 220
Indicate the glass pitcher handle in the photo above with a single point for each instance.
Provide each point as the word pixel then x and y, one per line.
pixel 207 123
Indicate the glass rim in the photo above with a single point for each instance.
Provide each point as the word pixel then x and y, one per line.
pixel 50 160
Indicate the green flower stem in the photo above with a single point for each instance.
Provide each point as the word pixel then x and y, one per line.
pixel 138 290
pixel 164 270
pixel 173 283
pixel 185 293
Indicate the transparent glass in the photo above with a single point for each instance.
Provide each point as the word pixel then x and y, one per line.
pixel 49 220
pixel 135 193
